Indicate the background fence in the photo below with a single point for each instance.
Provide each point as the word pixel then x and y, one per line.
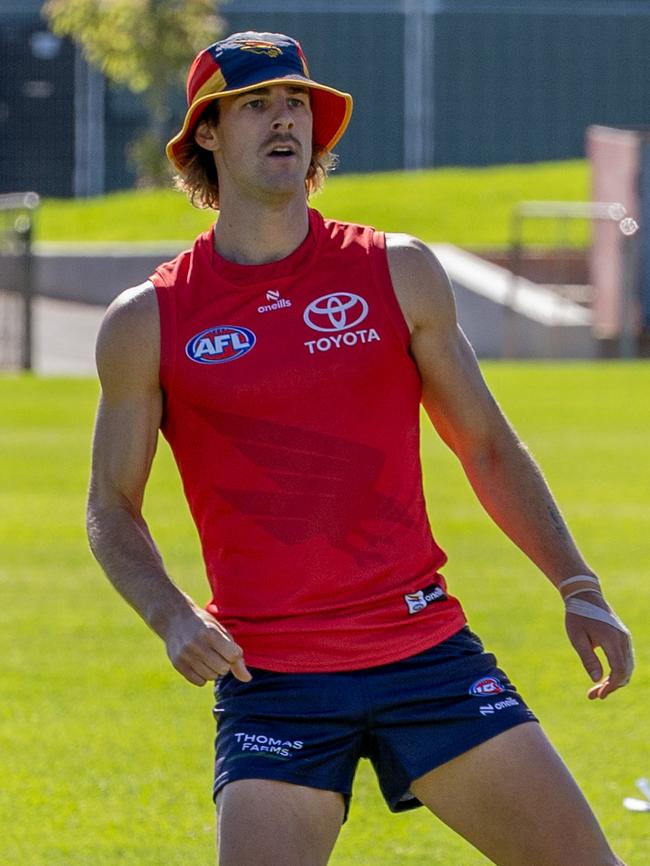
pixel 436 82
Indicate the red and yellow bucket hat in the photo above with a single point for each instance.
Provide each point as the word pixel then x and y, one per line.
pixel 246 61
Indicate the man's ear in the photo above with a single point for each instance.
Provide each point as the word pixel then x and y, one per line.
pixel 205 135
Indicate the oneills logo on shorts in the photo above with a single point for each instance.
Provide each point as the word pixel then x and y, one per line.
pixel 490 709
pixel 220 344
pixel 259 46
pixel 417 601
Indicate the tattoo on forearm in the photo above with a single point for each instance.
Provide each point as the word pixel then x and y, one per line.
pixel 558 522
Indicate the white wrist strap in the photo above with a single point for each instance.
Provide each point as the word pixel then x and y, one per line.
pixel 582 607
pixel 585 608
pixel 587 582
pixel 578 591
pixel 579 578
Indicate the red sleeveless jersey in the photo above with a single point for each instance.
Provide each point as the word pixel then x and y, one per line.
pixel 292 409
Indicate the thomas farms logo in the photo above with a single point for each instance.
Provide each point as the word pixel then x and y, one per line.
pixel 220 344
pixel 268 746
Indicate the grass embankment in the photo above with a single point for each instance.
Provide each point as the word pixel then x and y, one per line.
pixel 106 752
pixel 469 207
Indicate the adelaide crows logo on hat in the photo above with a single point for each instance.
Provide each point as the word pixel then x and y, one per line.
pixel 259 46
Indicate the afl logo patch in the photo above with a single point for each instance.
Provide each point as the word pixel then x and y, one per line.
pixel 337 311
pixel 220 344
pixel 486 687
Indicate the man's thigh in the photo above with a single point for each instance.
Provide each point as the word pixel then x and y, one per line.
pixel 266 823
pixel 513 798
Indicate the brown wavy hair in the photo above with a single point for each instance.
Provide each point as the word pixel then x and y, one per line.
pixel 200 182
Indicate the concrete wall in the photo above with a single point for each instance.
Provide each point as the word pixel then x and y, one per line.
pixel 514 318
pixel 95 273
pixel 501 318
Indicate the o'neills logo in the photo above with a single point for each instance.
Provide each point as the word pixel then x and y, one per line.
pixel 277 302
pixel 417 601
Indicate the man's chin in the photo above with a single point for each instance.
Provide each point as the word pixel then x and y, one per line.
pixel 283 188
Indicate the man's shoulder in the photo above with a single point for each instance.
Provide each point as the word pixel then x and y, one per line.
pixel 134 306
pixel 420 281
pixel 412 251
pixel 129 335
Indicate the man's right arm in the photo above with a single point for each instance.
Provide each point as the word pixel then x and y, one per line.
pixel 124 444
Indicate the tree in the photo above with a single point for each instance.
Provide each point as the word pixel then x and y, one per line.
pixel 147 46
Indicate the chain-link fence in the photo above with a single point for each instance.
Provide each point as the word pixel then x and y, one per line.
pixel 16 290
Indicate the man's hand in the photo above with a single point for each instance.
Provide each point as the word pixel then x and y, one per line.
pixel 586 634
pixel 201 649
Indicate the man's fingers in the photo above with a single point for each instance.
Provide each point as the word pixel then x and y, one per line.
pixel 240 671
pixel 585 650
pixel 198 669
pixel 585 635
pixel 232 656
pixel 202 650
pixel 230 652
pixel 210 663
pixel 190 674
pixel 621 662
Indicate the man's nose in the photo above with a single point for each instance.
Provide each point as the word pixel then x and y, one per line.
pixel 283 119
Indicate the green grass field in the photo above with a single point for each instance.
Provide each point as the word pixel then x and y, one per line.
pixel 466 206
pixel 106 752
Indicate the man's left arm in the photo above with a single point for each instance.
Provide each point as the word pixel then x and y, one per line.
pixel 502 473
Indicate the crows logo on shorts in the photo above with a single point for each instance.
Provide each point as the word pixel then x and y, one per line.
pixel 486 687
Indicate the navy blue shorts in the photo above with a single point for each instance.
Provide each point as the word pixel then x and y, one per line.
pixel 407 717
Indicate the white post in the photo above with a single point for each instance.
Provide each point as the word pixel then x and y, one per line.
pixel 89 131
pixel 418 82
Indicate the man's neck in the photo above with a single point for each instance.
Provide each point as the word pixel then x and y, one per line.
pixel 256 236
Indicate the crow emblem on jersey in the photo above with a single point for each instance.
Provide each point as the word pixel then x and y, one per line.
pixel 220 344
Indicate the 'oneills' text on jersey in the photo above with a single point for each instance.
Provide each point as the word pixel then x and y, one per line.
pixel 292 410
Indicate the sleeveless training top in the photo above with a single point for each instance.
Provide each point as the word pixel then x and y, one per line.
pixel 292 409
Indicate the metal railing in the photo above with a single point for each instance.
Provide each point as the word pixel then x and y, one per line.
pixel 564 213
pixel 16 279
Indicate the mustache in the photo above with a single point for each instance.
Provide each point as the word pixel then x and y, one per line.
pixel 277 139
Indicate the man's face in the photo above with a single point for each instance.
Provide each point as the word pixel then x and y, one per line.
pixel 263 142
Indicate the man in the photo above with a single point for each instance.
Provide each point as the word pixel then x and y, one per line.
pixel 284 357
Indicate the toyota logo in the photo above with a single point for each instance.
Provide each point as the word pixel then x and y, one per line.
pixel 336 312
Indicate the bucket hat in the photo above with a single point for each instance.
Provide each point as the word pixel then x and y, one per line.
pixel 248 61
